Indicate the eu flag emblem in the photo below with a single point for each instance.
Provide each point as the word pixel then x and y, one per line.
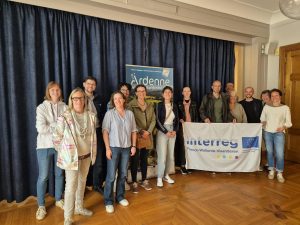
pixel 250 142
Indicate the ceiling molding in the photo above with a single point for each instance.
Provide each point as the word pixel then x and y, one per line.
pixel 165 14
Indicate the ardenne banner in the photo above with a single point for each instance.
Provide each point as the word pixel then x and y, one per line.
pixel 154 78
pixel 222 147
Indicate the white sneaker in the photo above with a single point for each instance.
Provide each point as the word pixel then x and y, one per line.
pixel 124 202
pixel 280 177
pixel 40 213
pixel 83 212
pixel 60 204
pixel 109 208
pixel 168 179
pixel 68 221
pixel 271 174
pixel 159 182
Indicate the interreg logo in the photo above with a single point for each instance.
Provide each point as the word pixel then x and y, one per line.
pixel 213 142
pixel 250 142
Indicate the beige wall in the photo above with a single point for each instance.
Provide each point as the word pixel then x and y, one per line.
pixel 284 34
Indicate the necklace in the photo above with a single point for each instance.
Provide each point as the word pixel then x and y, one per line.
pixel 80 129
pixel 141 104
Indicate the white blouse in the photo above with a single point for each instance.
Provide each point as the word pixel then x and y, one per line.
pixel 170 116
pixel 275 117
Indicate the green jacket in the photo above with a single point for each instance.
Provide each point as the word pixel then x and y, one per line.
pixel 207 108
pixel 145 120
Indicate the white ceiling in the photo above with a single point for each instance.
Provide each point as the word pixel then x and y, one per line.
pixel 265 11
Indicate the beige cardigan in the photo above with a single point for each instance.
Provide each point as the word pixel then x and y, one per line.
pixel 239 113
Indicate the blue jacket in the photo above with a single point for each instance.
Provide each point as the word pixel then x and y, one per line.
pixel 161 117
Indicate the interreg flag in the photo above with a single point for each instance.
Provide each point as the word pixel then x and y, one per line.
pixel 222 147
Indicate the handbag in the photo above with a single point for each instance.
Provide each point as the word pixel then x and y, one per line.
pixel 143 142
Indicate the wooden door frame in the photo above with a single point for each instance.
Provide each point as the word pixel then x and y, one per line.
pixel 282 65
pixel 283 86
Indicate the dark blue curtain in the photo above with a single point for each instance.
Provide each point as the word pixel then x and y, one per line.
pixel 38 45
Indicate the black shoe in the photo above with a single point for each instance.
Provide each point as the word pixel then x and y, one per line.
pixel 99 189
pixel 183 171
pixel 189 171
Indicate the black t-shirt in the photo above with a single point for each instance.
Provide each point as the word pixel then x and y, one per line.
pixel 253 110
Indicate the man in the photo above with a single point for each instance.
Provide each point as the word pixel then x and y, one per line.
pixel 187 110
pixel 252 106
pixel 94 105
pixel 265 96
pixel 214 106
pixel 229 88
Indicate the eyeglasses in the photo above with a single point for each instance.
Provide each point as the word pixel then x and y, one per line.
pixel 125 90
pixel 76 99
pixel 91 84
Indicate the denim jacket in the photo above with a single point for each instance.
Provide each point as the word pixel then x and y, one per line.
pixel 65 143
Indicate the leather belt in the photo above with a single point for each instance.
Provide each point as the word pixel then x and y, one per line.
pixel 84 156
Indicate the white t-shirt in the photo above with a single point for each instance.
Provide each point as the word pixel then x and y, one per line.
pixel 275 117
pixel 170 116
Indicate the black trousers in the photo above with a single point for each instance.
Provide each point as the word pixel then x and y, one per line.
pixel 99 168
pixel 141 156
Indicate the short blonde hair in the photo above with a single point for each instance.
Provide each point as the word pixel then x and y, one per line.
pixel 50 85
pixel 70 102
pixel 233 94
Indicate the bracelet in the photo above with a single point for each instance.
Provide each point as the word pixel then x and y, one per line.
pixel 133 146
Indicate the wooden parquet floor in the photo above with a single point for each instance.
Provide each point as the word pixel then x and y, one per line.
pixel 198 198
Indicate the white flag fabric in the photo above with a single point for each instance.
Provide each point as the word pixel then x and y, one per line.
pixel 222 147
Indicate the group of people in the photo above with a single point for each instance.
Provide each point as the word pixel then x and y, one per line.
pixel 70 135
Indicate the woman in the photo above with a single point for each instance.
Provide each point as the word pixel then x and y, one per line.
pixel 236 109
pixel 119 135
pixel 187 110
pixel 276 118
pixel 265 96
pixel 167 123
pixel 76 143
pixel 145 121
pixel 46 116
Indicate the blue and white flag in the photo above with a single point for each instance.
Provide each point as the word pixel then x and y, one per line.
pixel 223 147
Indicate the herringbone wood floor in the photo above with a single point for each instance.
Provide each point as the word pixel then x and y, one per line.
pixel 199 198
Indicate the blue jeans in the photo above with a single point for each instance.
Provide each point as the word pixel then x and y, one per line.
pixel 275 149
pixel 44 157
pixel 119 161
